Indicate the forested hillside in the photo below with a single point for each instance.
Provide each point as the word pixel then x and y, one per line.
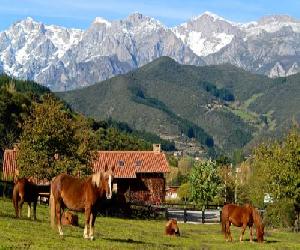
pixel 221 107
pixel 17 98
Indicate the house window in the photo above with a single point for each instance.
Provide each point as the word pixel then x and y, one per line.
pixel 121 163
pixel 138 163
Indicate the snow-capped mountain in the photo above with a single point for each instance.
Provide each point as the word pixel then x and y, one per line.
pixel 207 33
pixel 28 47
pixel 64 58
pixel 269 46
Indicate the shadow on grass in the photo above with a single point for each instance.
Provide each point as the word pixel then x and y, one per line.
pixel 13 217
pixel 271 241
pixel 256 242
pixel 126 241
pixel 139 242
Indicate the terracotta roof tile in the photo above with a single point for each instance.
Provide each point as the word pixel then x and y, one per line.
pixel 9 163
pixel 134 162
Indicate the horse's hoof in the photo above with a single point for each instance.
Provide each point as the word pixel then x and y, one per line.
pixel 92 238
pixel 86 236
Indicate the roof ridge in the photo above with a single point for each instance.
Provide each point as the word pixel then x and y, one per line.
pixel 129 151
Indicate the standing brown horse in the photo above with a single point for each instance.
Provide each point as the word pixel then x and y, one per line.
pixel 25 191
pixel 242 216
pixel 79 195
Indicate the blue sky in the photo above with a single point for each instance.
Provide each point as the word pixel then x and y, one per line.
pixel 80 13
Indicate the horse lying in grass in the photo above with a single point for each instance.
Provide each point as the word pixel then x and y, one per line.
pixel 242 216
pixel 68 218
pixel 172 228
pixel 25 191
pixel 80 195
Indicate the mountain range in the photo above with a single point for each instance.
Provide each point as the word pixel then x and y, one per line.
pixel 204 109
pixel 64 59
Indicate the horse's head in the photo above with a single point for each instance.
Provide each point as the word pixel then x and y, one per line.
pixel 260 231
pixel 260 228
pixel 108 179
pixel 103 180
pixel 172 228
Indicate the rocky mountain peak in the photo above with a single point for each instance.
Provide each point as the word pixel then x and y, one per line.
pixel 277 19
pixel 101 20
pixel 58 57
pixel 209 16
pixel 138 20
pixel 26 26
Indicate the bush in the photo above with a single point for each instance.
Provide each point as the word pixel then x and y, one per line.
pixel 280 214
pixel 6 188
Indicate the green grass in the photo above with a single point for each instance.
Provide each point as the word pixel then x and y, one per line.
pixel 247 103
pixel 115 233
pixel 245 115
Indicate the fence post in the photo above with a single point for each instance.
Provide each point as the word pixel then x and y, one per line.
pixel 184 215
pixel 203 215
pixel 166 213
pixel 220 215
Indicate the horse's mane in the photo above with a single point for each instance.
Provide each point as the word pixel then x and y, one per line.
pixel 256 217
pixel 97 178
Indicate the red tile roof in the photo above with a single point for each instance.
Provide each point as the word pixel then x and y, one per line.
pixel 9 164
pixel 133 162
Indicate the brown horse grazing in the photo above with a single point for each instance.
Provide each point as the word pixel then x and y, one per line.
pixel 172 228
pixel 79 195
pixel 242 216
pixel 25 191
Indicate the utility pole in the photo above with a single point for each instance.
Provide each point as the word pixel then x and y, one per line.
pixel 236 183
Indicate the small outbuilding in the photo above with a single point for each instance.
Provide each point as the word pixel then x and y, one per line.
pixel 139 176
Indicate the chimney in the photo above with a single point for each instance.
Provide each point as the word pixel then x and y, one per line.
pixel 156 148
pixel 15 146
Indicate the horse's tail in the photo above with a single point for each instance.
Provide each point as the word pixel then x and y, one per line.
pixel 223 221
pixel 52 205
pixel 16 198
pixel 223 218
pixel 223 226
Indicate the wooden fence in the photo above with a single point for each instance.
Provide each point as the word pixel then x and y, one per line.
pixel 183 213
pixel 6 190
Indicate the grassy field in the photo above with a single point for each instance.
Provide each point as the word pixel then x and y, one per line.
pixel 115 233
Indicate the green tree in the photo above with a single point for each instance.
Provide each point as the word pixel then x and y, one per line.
pixel 205 182
pixel 112 139
pixel 276 167
pixel 228 181
pixel 184 192
pixel 238 157
pixel 172 160
pixel 185 165
pixel 13 109
pixel 54 141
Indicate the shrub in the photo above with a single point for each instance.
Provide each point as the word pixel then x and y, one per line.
pixel 280 214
